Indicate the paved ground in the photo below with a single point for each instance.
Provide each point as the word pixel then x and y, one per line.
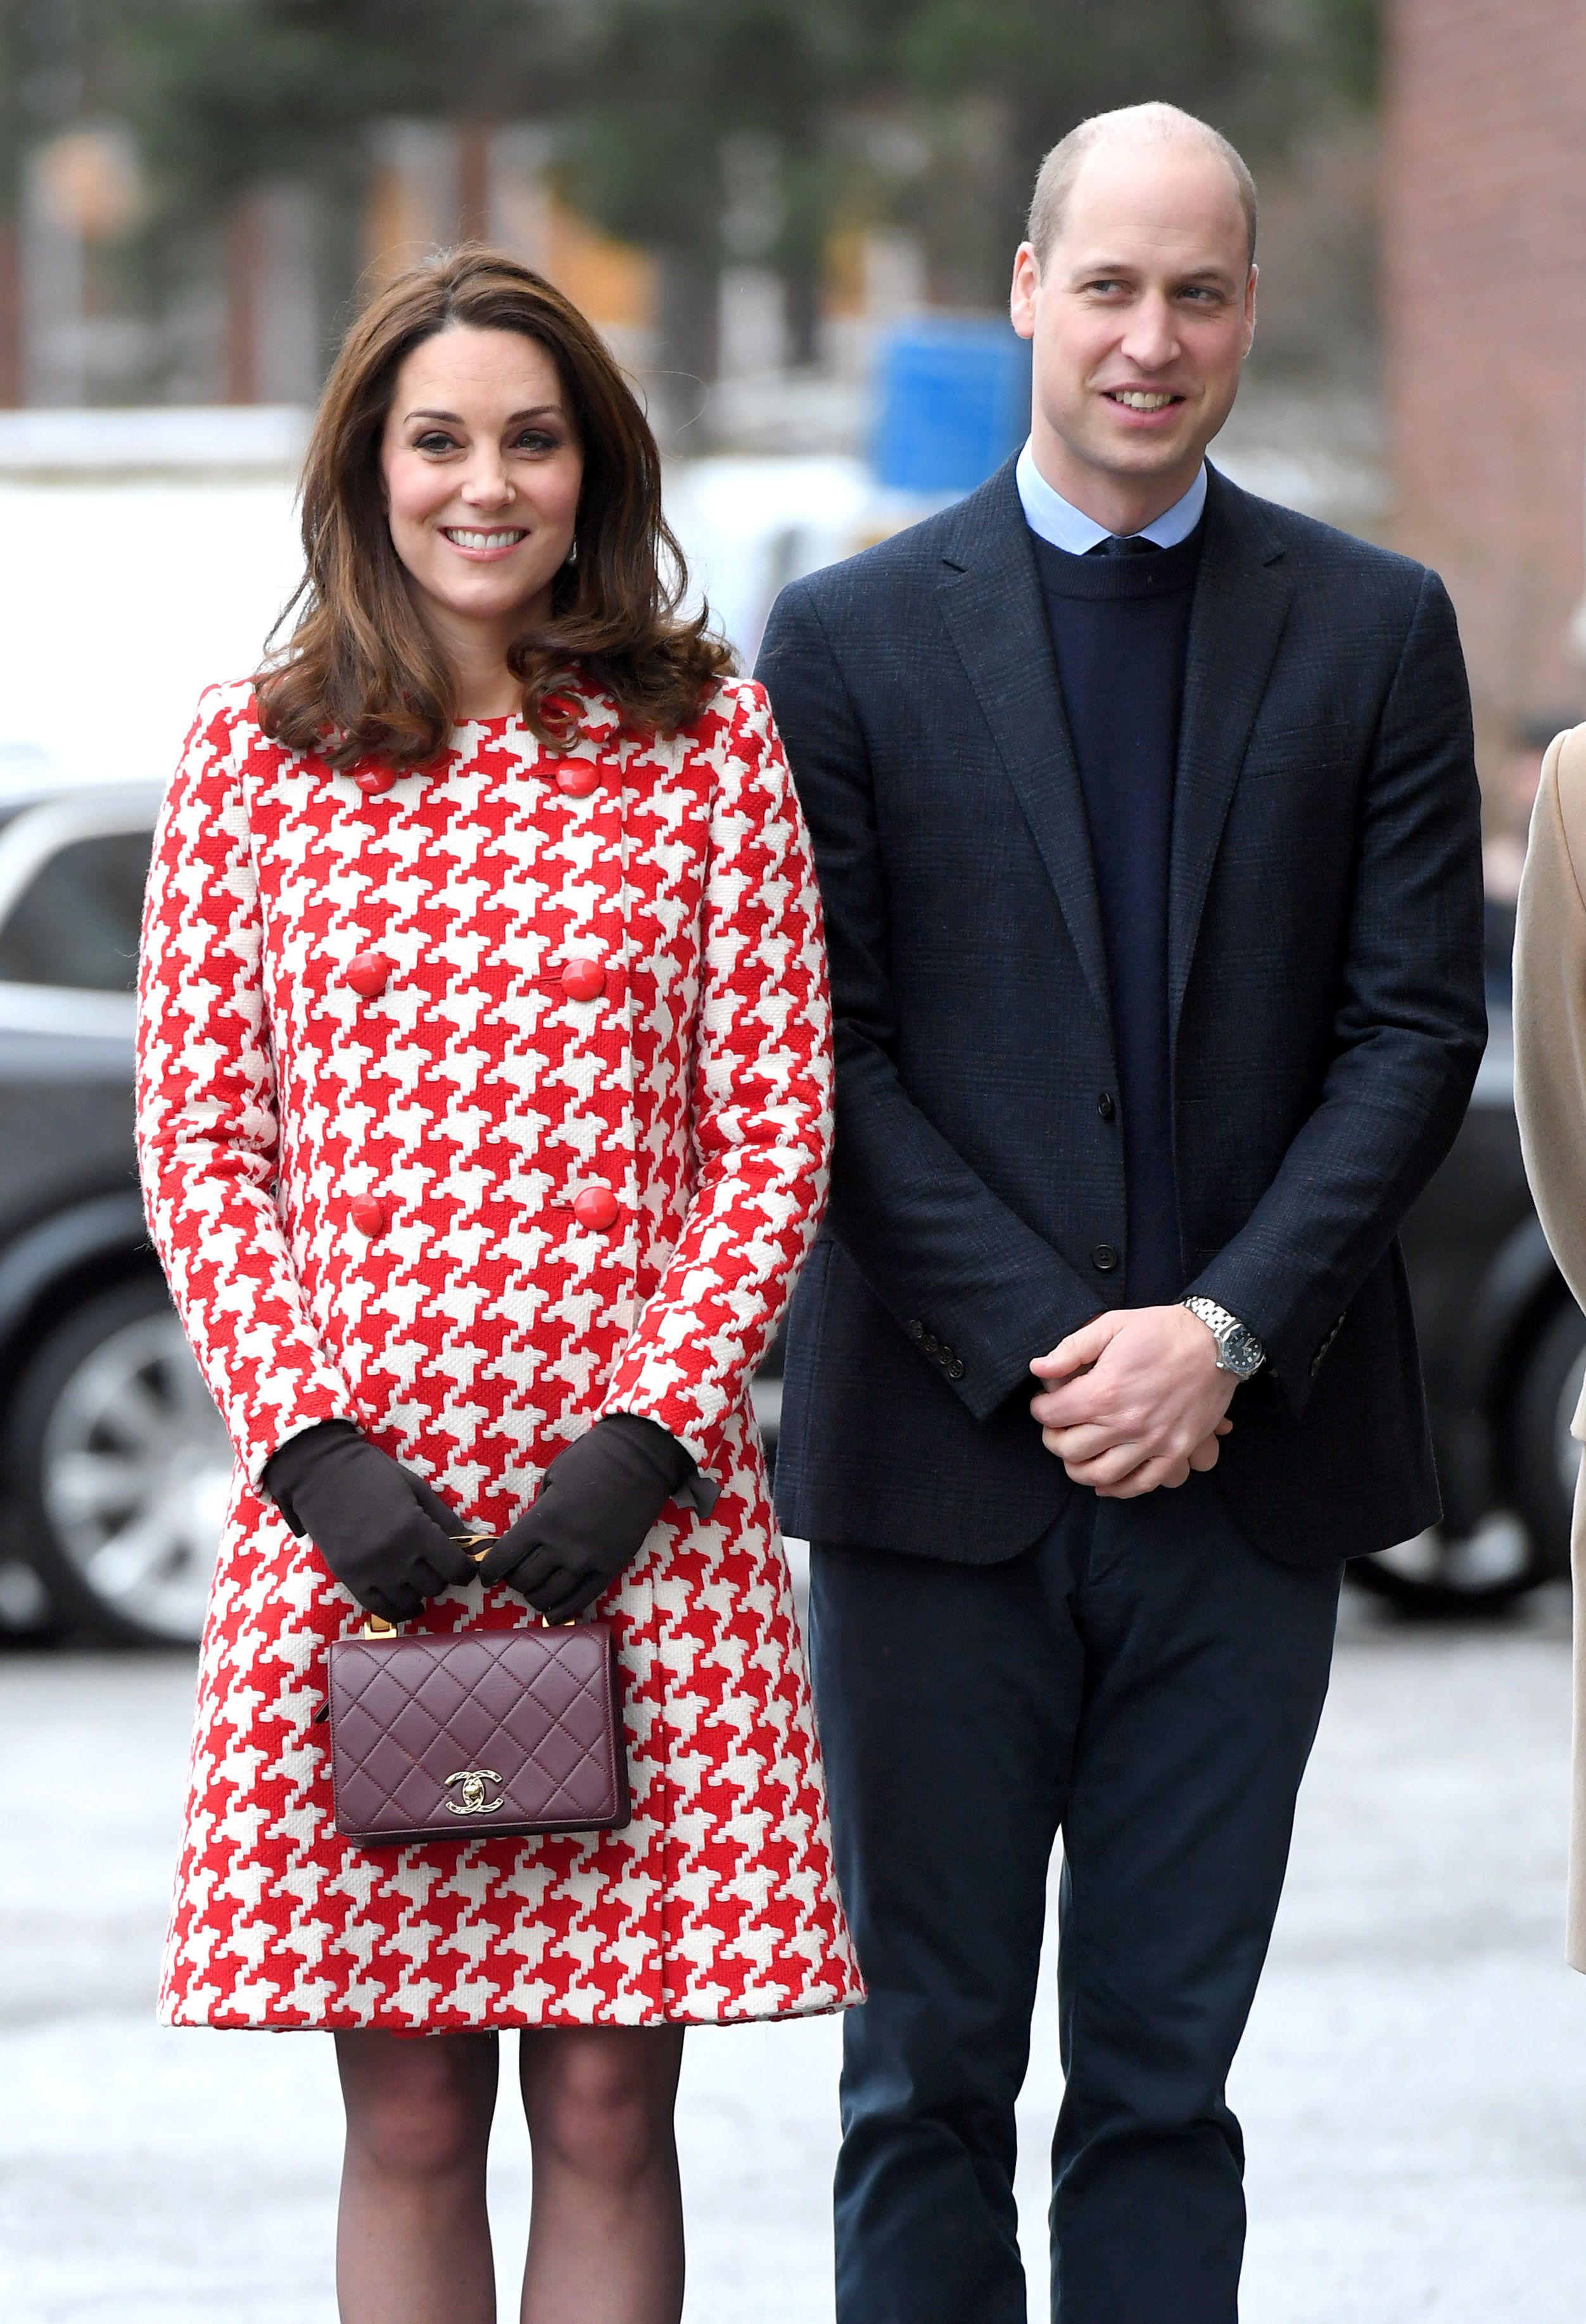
pixel 1413 2088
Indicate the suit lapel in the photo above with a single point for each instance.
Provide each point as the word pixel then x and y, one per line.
pixel 990 599
pixel 1242 594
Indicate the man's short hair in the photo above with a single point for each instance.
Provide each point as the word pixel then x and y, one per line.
pixel 1164 123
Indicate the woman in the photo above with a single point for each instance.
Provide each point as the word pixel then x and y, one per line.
pixel 483 1118
pixel 1550 1099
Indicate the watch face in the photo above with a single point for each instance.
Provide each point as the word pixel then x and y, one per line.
pixel 1242 1352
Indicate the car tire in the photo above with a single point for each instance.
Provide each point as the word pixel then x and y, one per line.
pixel 1527 1542
pixel 118 1467
pixel 1442 1574
pixel 1542 1457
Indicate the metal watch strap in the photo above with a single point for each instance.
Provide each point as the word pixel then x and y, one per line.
pixel 1237 1348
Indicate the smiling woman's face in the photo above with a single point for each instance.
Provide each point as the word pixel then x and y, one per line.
pixel 482 469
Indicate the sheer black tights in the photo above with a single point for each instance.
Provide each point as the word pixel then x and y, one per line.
pixel 605 2239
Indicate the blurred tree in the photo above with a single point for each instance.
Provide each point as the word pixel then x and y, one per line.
pixel 230 96
pixel 54 80
pixel 10 388
pixel 41 87
pixel 674 90
pixel 230 92
pixel 1000 81
pixel 706 131
pixel 931 113
pixel 1347 36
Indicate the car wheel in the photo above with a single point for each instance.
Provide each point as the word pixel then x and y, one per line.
pixel 120 1468
pixel 1542 1459
pixel 1510 1552
pixel 1441 1573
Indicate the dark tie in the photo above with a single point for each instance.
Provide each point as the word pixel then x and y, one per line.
pixel 1126 544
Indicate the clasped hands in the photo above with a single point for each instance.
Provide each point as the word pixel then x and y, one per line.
pixel 390 1539
pixel 1133 1400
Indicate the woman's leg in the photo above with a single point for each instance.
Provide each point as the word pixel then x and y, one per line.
pixel 412 2241
pixel 605 2242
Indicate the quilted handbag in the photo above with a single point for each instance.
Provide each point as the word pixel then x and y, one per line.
pixel 476 1733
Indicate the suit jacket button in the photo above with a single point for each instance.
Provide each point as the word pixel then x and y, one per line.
pixel 595 1207
pixel 369 973
pixel 1105 1105
pixel 955 1369
pixel 367 1213
pixel 575 777
pixel 584 980
pixel 916 1332
pixel 1103 1258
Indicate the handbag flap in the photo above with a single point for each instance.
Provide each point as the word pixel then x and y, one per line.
pixel 476 1732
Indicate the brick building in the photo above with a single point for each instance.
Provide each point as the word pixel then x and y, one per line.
pixel 1485 326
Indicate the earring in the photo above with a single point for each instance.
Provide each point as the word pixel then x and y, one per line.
pixel 572 556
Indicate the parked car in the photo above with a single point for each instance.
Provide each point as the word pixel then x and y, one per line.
pixel 1503 1347
pixel 114 1464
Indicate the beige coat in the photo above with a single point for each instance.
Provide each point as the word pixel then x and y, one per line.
pixel 1550 1097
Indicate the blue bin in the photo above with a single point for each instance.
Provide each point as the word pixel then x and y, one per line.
pixel 953 401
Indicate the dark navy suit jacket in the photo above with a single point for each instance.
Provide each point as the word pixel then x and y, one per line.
pixel 1325 1000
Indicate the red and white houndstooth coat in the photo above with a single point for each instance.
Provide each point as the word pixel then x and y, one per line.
pixel 474 1103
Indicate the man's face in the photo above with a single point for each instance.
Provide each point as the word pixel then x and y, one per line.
pixel 1141 316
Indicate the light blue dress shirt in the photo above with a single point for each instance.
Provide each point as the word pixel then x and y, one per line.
pixel 1066 527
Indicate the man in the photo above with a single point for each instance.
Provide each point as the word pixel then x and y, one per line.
pixel 1146 825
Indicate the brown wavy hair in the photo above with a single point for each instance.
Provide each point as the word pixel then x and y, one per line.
pixel 359 677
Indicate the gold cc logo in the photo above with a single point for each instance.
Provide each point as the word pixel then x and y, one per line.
pixel 472 1799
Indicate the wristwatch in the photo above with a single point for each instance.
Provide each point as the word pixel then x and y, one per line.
pixel 1237 1348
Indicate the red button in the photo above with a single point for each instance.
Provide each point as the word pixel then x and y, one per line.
pixel 369 973
pixel 373 780
pixel 576 777
pixel 368 1215
pixel 584 980
pixel 595 1207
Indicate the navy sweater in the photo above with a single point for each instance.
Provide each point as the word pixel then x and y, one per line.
pixel 1119 625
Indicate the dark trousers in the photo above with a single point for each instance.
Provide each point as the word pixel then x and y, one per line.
pixel 1148 1683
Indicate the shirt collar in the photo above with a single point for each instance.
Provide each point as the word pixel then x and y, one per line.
pixel 1055 520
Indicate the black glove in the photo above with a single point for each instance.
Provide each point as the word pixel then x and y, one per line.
pixel 597 1501
pixel 382 1530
